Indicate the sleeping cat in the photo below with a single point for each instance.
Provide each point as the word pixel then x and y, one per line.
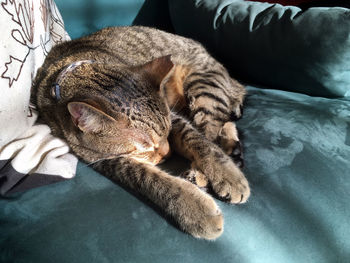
pixel 119 96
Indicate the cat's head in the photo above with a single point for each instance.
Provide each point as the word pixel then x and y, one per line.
pixel 105 110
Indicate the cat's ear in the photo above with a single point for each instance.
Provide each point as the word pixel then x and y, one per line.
pixel 88 118
pixel 158 69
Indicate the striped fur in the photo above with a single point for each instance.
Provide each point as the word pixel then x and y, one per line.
pixel 140 88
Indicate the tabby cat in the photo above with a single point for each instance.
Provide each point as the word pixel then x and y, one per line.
pixel 117 97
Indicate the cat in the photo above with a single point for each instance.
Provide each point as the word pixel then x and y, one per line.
pixel 120 95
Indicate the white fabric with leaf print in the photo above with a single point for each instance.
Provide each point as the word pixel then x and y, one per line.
pixel 29 28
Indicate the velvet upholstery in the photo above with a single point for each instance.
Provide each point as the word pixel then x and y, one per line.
pixel 297 160
pixel 297 152
pixel 281 47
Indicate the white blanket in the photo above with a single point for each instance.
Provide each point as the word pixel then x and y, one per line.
pixel 29 155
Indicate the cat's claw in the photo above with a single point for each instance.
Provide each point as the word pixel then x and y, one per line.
pixel 237 155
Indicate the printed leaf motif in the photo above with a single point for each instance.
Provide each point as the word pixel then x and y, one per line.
pixel 30 112
pixel 23 15
pixel 13 70
pixel 26 16
pixel 10 8
pixel 44 13
pixel 56 37
pixel 17 35
pixel 56 25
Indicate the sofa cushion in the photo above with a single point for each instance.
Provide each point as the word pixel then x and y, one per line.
pixel 308 3
pixel 297 152
pixel 272 45
pixel 154 13
pixel 83 17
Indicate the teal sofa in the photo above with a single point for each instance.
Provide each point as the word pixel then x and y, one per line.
pixel 295 131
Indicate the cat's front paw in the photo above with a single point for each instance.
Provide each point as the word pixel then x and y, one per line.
pixel 226 179
pixel 235 191
pixel 198 214
pixel 229 142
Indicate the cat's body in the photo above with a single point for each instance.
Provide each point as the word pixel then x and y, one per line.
pixel 114 96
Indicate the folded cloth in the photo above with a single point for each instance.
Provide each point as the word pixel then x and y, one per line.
pixel 29 155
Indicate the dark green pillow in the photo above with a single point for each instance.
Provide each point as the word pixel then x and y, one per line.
pixel 276 46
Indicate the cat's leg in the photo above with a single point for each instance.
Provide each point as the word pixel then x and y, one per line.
pixel 215 102
pixel 195 211
pixel 225 178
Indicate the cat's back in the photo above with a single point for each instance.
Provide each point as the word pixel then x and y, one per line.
pixel 130 45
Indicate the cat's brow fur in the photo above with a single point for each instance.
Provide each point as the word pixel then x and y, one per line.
pixel 140 88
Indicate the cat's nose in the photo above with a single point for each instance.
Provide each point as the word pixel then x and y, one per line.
pixel 162 153
pixel 164 150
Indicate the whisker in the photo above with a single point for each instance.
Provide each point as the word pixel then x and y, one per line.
pixel 103 159
pixel 89 164
pixel 172 108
